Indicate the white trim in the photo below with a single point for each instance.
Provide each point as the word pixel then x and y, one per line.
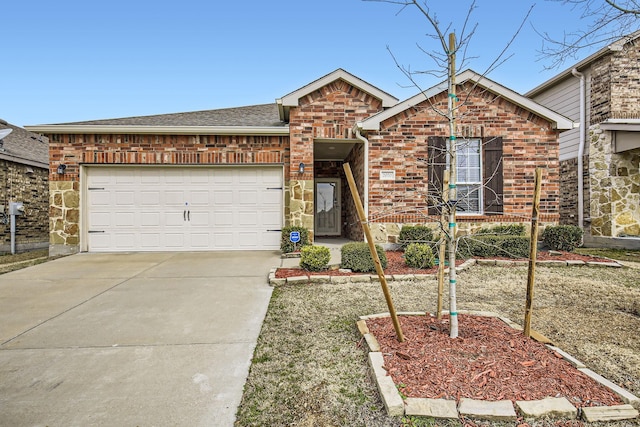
pixel 560 122
pixel 159 130
pixel 291 100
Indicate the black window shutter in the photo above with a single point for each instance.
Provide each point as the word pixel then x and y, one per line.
pixel 437 163
pixel 492 175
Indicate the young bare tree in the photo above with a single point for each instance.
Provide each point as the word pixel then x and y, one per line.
pixel 605 22
pixel 449 49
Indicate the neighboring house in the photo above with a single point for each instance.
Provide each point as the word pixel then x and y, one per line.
pixel 605 149
pixel 232 178
pixel 24 171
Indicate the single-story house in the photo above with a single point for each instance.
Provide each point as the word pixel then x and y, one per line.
pixel 602 94
pixel 24 172
pixel 230 179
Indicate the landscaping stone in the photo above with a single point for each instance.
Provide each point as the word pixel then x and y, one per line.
pixel 566 356
pixel 319 279
pixel 340 279
pixel 624 394
pixel 298 279
pixel 554 407
pixel 501 410
pixel 390 397
pixel 433 408
pixel 360 279
pixel 609 413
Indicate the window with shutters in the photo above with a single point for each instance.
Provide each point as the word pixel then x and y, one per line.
pixel 469 176
pixel 479 180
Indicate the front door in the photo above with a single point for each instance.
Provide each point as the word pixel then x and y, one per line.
pixel 327 203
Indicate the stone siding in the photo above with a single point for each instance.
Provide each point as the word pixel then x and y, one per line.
pixel 29 185
pixel 75 150
pixel 615 188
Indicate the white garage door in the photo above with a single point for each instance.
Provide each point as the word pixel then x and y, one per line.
pixel 183 209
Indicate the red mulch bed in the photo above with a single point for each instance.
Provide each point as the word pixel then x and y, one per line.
pixel 488 361
pixel 396 265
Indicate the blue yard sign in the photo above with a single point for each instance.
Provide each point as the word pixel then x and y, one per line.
pixel 294 236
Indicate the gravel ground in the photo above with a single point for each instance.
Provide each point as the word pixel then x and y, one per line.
pixel 310 369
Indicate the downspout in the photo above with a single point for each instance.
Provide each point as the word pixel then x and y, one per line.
pixel 583 121
pixel 365 141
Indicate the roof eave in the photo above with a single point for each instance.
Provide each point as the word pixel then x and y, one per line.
pixel 558 121
pixel 160 130
pixel 613 47
pixel 292 99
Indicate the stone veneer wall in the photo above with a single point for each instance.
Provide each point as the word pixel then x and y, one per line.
pixel 615 188
pixel 568 193
pixel 64 217
pixel 299 204
pixel 32 228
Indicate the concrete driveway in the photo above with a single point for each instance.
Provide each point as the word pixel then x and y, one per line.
pixel 139 339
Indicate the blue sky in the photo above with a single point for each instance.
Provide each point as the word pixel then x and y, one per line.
pixel 69 60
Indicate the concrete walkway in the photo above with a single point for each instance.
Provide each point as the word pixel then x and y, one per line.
pixel 140 339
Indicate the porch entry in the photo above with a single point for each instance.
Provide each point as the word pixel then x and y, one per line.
pixel 328 211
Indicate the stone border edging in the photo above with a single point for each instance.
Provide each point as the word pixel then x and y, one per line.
pixel 491 410
pixel 367 278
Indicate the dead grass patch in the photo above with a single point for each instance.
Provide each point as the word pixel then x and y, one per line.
pixel 310 366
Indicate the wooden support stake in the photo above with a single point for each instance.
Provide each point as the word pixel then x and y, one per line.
pixel 442 253
pixel 533 252
pixel 374 253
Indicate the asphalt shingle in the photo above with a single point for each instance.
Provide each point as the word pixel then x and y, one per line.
pixel 22 146
pixel 253 115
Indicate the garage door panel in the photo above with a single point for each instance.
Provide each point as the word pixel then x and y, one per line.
pixel 183 208
pixel 125 219
pixel 101 198
pixel 149 241
pixel 125 241
pixel 149 198
pixel 174 198
pixel 150 219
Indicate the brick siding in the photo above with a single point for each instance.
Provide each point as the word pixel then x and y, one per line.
pixel 528 142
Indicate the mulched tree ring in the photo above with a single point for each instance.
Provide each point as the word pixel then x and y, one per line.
pixel 488 361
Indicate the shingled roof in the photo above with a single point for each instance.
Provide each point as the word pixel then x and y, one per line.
pixel 253 115
pixel 22 146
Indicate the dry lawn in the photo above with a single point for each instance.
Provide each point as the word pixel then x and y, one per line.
pixel 310 369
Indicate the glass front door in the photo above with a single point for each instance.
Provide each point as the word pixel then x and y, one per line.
pixel 327 203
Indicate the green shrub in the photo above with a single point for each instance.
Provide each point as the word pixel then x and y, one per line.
pixel 488 245
pixel 510 230
pixel 357 257
pixel 314 258
pixel 562 237
pixel 419 255
pixel 286 246
pixel 414 234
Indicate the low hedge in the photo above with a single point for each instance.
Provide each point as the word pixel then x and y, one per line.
pixel 488 245
pixel 357 257
pixel 414 234
pixel 314 258
pixel 563 237
pixel 419 255
pixel 286 246
pixel 510 230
